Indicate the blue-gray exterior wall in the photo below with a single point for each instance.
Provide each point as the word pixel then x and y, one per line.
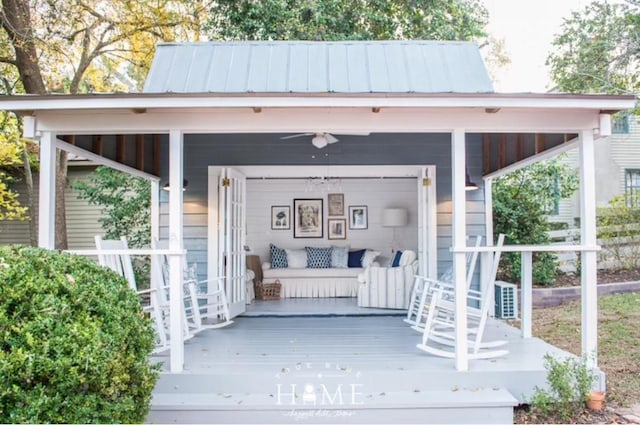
pixel 201 151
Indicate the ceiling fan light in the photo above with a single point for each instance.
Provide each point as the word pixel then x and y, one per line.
pixel 319 141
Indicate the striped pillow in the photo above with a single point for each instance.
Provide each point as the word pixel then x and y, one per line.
pixel 318 258
pixel 278 257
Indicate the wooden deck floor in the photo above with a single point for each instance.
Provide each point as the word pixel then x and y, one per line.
pixel 381 349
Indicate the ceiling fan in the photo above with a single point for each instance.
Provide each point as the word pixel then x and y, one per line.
pixel 322 139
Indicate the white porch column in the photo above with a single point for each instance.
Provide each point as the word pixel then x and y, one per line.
pixel 176 263
pixel 589 261
pixel 459 211
pixel 485 260
pixel 47 191
pixel 155 209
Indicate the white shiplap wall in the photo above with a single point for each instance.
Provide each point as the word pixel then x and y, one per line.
pixel 376 194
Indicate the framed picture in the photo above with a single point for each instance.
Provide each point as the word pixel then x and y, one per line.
pixel 358 217
pixel 337 228
pixel 307 220
pixel 280 217
pixel 336 204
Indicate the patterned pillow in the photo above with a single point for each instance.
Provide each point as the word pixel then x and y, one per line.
pixel 278 257
pixel 296 258
pixel 318 258
pixel 340 257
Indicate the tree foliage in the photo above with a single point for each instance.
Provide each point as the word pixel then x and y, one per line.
pixel 126 201
pixel 598 50
pixel 521 202
pixel 347 20
pixel 10 157
pixel 73 46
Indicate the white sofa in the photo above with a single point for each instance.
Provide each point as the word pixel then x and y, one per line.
pixel 314 283
pixel 388 287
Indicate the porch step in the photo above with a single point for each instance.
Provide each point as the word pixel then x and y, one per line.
pixel 236 381
pixel 337 405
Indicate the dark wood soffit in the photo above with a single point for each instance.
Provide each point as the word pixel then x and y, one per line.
pixel 497 155
pixel 98 146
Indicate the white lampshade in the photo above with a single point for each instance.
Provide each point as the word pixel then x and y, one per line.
pixel 395 217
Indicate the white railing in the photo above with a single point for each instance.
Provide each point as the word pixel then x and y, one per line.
pixel 526 272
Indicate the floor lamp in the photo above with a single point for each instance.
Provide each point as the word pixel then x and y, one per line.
pixel 394 218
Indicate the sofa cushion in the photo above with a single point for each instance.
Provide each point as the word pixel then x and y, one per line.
pixel 296 258
pixel 355 258
pixel 306 273
pixel 408 257
pixel 369 257
pixel 318 258
pixel 278 257
pixel 340 257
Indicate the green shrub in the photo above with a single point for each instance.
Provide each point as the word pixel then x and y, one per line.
pixel 569 381
pixel 522 201
pixel 75 342
pixel 619 230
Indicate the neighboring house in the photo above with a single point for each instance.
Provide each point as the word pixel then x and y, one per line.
pixel 82 218
pixel 617 168
pixel 412 119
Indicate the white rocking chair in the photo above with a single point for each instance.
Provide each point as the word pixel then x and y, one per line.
pixel 206 305
pixel 423 289
pixel 440 325
pixel 120 262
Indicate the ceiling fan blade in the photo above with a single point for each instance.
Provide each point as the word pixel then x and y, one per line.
pixel 296 135
pixel 352 134
pixel 330 138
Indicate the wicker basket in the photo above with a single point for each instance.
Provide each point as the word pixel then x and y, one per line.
pixel 268 291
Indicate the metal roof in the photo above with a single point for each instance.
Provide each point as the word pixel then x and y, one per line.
pixel 318 67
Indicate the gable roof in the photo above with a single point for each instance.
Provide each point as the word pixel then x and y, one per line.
pixel 318 67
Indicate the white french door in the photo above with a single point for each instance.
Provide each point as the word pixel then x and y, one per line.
pixel 227 234
pixel 427 223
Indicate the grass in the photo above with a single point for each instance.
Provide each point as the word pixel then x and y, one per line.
pixel 618 336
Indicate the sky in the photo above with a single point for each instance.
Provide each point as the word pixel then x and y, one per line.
pixel 528 28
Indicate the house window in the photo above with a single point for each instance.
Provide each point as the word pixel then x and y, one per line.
pixel 620 123
pixel 632 186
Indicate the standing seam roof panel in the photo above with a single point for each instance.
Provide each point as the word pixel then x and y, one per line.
pixel 318 67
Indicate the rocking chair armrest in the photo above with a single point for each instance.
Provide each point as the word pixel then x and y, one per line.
pixel 146 291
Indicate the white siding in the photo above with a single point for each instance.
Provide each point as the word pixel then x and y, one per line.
pixel 625 152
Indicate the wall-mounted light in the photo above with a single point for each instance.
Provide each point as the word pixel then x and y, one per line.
pixel 468 184
pixel 185 183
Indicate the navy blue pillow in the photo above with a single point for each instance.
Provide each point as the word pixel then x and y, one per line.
pixel 396 259
pixel 355 258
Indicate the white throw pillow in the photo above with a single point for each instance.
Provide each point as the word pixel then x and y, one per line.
pixel 296 258
pixel 340 257
pixel 369 257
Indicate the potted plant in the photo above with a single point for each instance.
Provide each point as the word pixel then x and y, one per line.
pixel 595 400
